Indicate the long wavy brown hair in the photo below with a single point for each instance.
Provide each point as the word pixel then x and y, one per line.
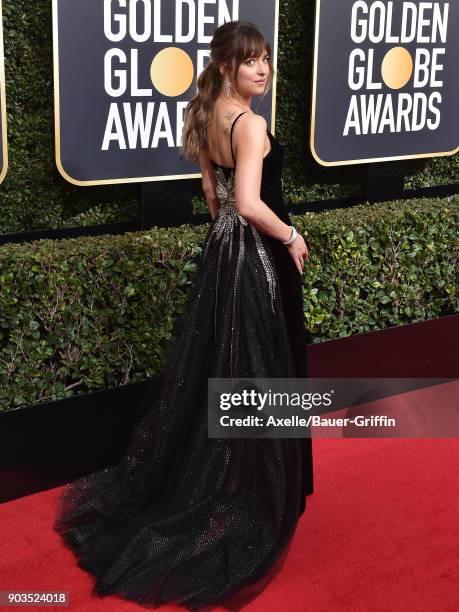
pixel 232 44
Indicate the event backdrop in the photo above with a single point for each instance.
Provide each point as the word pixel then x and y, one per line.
pixel 385 80
pixel 124 71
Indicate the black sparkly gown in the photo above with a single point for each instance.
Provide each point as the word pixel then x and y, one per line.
pixel 184 518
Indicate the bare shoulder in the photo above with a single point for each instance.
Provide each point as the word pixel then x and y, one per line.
pixel 252 129
pixel 253 122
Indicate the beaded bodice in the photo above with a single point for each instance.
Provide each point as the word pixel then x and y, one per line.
pixel 229 228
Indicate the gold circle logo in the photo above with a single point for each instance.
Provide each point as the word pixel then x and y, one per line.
pixel 171 71
pixel 397 67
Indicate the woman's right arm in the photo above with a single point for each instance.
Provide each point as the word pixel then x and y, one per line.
pixel 249 142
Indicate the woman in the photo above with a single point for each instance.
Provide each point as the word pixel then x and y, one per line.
pixel 186 518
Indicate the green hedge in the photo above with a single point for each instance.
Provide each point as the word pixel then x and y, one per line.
pixel 97 312
pixel 35 196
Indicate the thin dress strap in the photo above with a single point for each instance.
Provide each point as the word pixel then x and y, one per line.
pixel 231 135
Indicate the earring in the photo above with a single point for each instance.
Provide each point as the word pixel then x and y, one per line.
pixel 227 87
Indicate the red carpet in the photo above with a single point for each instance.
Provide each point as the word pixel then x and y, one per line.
pixel 379 533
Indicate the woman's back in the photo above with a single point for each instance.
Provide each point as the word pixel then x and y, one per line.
pixel 219 133
pixel 221 146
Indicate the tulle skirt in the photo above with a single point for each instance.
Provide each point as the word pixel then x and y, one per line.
pixel 184 518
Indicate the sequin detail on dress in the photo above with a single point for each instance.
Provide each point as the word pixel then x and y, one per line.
pixel 225 223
